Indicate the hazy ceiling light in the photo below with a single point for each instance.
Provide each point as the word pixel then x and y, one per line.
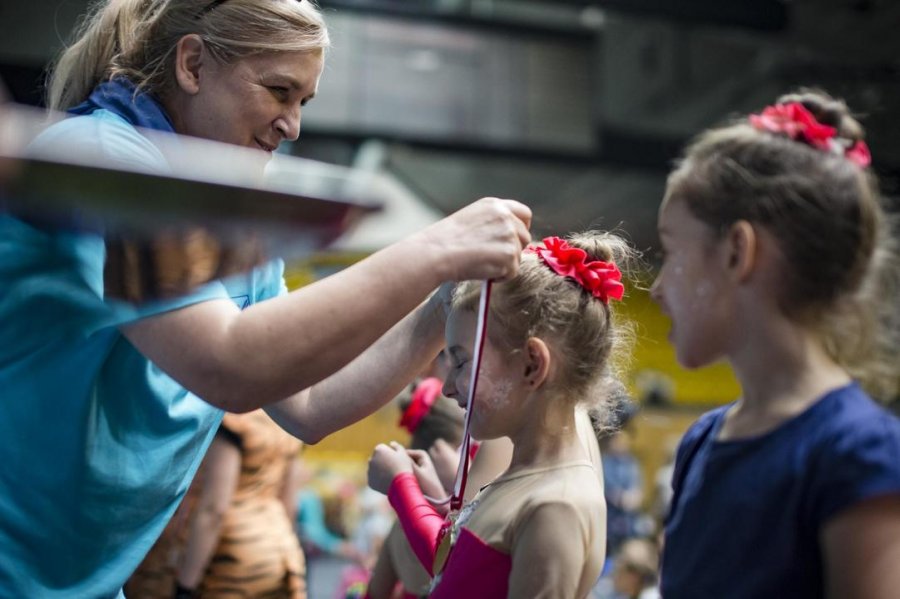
pixel 593 17
pixel 424 61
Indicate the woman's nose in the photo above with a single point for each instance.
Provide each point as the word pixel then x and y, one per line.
pixel 288 124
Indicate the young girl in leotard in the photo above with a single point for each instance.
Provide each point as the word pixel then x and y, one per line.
pixel 538 530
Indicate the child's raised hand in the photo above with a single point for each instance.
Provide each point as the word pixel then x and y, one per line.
pixel 385 464
pixel 445 459
pixel 425 473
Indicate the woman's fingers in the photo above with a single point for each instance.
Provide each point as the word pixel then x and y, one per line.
pixel 484 240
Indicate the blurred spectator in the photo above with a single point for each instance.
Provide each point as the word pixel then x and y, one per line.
pixel 316 536
pixel 662 483
pixel 635 572
pixel 624 489
pixel 654 388
pixel 375 520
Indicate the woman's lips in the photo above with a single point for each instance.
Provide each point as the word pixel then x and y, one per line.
pixel 264 146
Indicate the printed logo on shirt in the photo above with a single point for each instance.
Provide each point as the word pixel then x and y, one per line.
pixel 241 301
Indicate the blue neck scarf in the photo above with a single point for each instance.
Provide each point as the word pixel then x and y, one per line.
pixel 120 96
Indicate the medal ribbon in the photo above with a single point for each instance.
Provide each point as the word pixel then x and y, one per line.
pixel 462 471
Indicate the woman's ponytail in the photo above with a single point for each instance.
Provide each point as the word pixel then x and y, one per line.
pixel 105 34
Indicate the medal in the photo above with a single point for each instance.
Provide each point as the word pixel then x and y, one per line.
pixel 444 544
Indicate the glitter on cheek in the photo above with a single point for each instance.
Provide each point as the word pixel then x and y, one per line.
pixel 675 281
pixel 498 395
pixel 493 397
pixel 702 290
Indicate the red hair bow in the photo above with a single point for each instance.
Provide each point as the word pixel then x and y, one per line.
pixel 794 120
pixel 424 396
pixel 601 279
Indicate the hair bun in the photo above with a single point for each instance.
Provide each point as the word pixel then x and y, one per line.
pixel 601 245
pixel 828 111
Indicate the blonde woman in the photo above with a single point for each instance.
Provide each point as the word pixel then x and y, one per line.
pixel 107 407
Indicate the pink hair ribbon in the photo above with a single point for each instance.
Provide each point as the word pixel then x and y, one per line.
pixel 601 279
pixel 795 121
pixel 424 396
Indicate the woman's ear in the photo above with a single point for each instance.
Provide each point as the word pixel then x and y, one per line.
pixel 741 248
pixel 537 362
pixel 189 56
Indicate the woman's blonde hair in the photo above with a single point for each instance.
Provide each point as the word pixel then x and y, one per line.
pixel 588 337
pixel 136 39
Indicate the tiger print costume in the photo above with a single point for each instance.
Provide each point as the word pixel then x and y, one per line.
pixel 258 554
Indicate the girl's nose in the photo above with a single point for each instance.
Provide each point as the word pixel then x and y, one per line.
pixel 449 389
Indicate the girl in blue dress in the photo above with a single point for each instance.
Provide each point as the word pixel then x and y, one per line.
pixel 776 259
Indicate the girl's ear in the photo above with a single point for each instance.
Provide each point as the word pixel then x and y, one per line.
pixel 741 248
pixel 537 362
pixel 189 55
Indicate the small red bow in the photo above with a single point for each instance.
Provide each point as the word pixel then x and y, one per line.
pixel 424 396
pixel 794 120
pixel 601 279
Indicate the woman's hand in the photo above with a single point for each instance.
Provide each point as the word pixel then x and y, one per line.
pixel 385 464
pixel 484 240
pixel 445 461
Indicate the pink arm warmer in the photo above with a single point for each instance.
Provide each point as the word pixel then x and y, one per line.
pixel 420 521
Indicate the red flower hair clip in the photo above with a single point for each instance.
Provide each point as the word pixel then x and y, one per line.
pixel 794 120
pixel 601 279
pixel 423 397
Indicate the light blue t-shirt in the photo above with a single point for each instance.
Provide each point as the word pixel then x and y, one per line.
pixel 97 445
